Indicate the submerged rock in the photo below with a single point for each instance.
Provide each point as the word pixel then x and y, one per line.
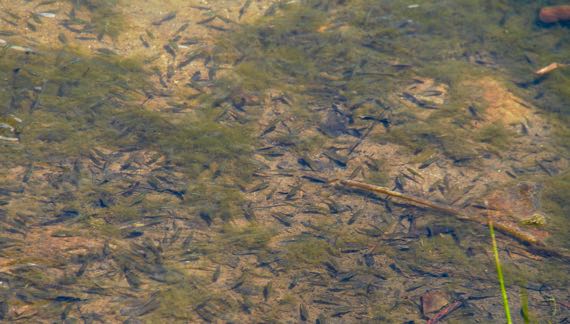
pixel 433 301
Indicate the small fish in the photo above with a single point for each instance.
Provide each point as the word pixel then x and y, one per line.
pixel 67 299
pixel 321 319
pixel 196 76
pixel 45 3
pixel 144 42
pixel 190 58
pixel 170 71
pixel 259 187
pixel 347 276
pixel 9 22
pixel 214 27
pixel 31 26
pixel 168 17
pixel 354 217
pixel 62 38
pixel 205 216
pixel 132 278
pixel 338 159
pixel 207 20
pixel 7 33
pixel 169 50
pixel 248 212
pixel 428 162
pixel 283 219
pixel 217 273
pixel 411 98
pixel 294 282
pixel 201 8
pixel 369 260
pixel 36 18
pixel 152 304
pixel 244 8
pixel 182 28
pixel 414 172
pixel 315 179
pixel 267 291
pixel 303 312
pixel 47 14
pixel 293 192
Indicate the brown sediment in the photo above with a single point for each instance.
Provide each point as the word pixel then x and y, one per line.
pixel 554 14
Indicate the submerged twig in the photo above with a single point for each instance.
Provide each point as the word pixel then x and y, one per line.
pixel 535 245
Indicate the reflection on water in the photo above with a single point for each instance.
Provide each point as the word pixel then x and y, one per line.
pixel 185 161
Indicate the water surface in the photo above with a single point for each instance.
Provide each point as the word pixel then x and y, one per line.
pixel 182 161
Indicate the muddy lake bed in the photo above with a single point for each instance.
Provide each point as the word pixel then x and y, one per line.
pixel 265 161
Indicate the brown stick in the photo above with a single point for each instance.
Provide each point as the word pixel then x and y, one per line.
pixel 410 199
pixel 535 244
pixel 444 312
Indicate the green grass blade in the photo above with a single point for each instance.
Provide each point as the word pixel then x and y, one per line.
pixel 500 275
pixel 524 306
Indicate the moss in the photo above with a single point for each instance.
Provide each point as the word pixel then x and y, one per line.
pixel 555 199
pixel 248 237
pixel 106 19
pixel 496 135
pixel 178 303
pixel 308 251
pixel 443 248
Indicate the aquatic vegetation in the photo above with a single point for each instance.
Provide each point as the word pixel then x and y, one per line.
pixel 143 173
pixel 500 275
pixel 496 135
pixel 555 200
pixel 246 238
pixel 106 20
pixel 307 250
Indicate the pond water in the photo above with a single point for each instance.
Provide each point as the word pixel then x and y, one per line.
pixel 264 161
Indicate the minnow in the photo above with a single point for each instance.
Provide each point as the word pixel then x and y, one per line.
pixel 214 27
pixel 259 187
pixel 216 274
pixel 168 17
pixel 182 28
pixel 303 312
pixel 338 159
pixel 205 21
pixel 189 59
pixel 47 14
pixel 283 219
pixel 45 3
pixel 31 26
pixel 36 18
pixel 428 162
pixel 304 161
pixel 201 8
pixel 170 50
pixel 411 98
pixel 244 8
pixel 144 42
pixel 267 291
pixel 9 22
pixel 414 172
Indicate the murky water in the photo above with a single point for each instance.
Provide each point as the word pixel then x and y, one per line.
pixel 327 161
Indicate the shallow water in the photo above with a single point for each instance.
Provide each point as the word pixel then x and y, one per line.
pixel 186 161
